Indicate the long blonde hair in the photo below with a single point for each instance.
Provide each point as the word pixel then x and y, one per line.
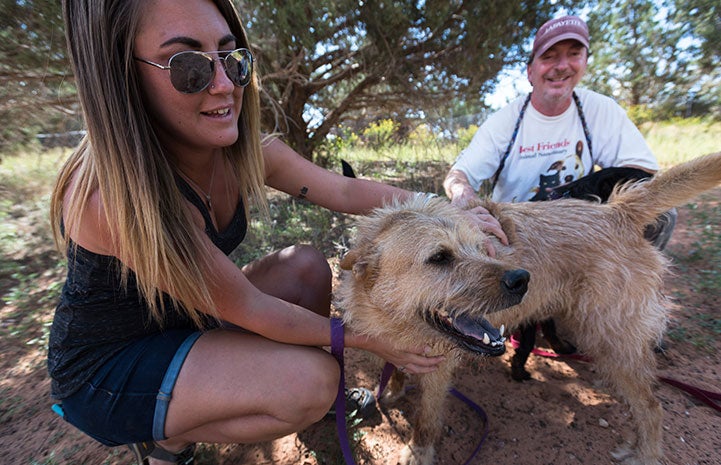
pixel 121 157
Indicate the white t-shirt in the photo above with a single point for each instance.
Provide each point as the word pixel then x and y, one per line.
pixel 551 150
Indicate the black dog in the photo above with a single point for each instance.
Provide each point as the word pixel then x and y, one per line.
pixel 596 186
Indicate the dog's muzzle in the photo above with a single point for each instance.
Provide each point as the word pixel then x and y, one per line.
pixel 473 333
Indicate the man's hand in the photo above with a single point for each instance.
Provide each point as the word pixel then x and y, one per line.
pixel 462 195
pixel 489 225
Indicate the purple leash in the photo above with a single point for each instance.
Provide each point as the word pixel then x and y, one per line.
pixel 337 344
pixel 481 413
pixel 385 377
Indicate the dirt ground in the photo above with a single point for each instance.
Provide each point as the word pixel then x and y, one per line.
pixel 559 417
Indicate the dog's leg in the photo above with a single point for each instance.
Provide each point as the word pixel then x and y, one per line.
pixel 396 387
pixel 526 342
pixel 627 363
pixel 560 346
pixel 633 382
pixel 428 419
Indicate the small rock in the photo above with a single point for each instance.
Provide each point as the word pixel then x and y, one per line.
pixel 602 423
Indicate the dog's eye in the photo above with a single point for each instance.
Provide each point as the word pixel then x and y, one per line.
pixel 442 257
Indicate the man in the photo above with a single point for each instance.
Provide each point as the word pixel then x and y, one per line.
pixel 553 136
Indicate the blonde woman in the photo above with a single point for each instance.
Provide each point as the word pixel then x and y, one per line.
pixel 148 208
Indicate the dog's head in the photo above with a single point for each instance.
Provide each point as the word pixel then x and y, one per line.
pixel 420 271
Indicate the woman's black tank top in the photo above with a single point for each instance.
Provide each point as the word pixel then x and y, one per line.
pixel 96 317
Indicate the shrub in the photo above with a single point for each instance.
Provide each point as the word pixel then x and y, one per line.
pixel 464 135
pixel 380 133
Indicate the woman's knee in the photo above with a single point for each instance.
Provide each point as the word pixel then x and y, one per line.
pixel 318 388
pixel 308 263
pixel 311 279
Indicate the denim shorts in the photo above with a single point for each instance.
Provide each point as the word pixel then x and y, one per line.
pixel 126 401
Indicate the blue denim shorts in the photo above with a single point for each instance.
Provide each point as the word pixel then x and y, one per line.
pixel 126 401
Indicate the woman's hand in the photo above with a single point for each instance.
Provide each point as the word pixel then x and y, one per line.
pixel 414 360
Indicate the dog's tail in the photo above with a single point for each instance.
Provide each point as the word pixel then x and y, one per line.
pixel 644 201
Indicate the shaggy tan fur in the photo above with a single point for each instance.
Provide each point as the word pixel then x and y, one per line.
pixel 420 272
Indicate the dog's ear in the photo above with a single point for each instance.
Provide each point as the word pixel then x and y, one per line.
pixel 346 263
pixel 360 264
pixel 352 261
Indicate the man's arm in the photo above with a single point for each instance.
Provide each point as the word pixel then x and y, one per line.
pixel 458 189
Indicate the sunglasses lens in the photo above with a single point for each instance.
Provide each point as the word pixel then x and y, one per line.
pixel 239 67
pixel 190 72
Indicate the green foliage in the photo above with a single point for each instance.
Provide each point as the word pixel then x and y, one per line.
pixel 350 60
pixel 657 55
pixel 35 95
pixel 326 63
pixel 707 246
pixel 30 269
pixel 681 139
pixel 380 134
pixel 422 135
pixel 704 225
pixel 635 54
pixel 703 18
pixel 640 114
pixel 464 135
pixel 292 222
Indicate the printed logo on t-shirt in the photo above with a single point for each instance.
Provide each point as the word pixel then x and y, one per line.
pixel 563 168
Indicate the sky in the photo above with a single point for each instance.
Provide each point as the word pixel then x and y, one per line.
pixel 512 83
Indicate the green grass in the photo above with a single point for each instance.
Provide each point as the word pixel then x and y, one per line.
pixel 702 330
pixel 403 153
pixel 676 141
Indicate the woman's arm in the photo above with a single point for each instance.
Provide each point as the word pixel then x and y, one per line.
pixel 287 171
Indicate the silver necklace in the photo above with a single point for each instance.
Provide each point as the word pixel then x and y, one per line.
pixel 208 200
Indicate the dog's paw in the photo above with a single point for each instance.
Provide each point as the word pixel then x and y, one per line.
pixel 627 456
pixel 389 397
pixel 562 346
pixel 417 455
pixel 518 373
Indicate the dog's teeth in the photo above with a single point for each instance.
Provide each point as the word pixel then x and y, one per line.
pixel 486 339
pixel 502 329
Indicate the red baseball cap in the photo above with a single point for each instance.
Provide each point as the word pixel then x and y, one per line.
pixel 556 30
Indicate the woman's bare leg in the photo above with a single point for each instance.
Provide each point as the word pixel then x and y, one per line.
pixel 236 387
pixel 299 274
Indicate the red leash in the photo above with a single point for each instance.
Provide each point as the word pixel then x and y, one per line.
pixel 709 398
pixel 545 353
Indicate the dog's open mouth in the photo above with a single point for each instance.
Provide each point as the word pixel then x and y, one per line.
pixel 472 333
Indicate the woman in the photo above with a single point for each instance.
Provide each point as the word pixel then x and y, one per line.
pixel 149 206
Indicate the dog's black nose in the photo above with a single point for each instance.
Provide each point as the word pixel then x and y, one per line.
pixel 515 282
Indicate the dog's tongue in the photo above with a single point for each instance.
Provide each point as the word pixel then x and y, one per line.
pixel 479 329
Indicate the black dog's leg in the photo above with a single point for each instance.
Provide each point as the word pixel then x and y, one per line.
pixel 560 346
pixel 526 342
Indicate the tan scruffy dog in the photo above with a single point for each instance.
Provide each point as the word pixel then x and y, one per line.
pixel 420 272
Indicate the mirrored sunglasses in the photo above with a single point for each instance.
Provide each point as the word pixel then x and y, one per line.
pixel 192 71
